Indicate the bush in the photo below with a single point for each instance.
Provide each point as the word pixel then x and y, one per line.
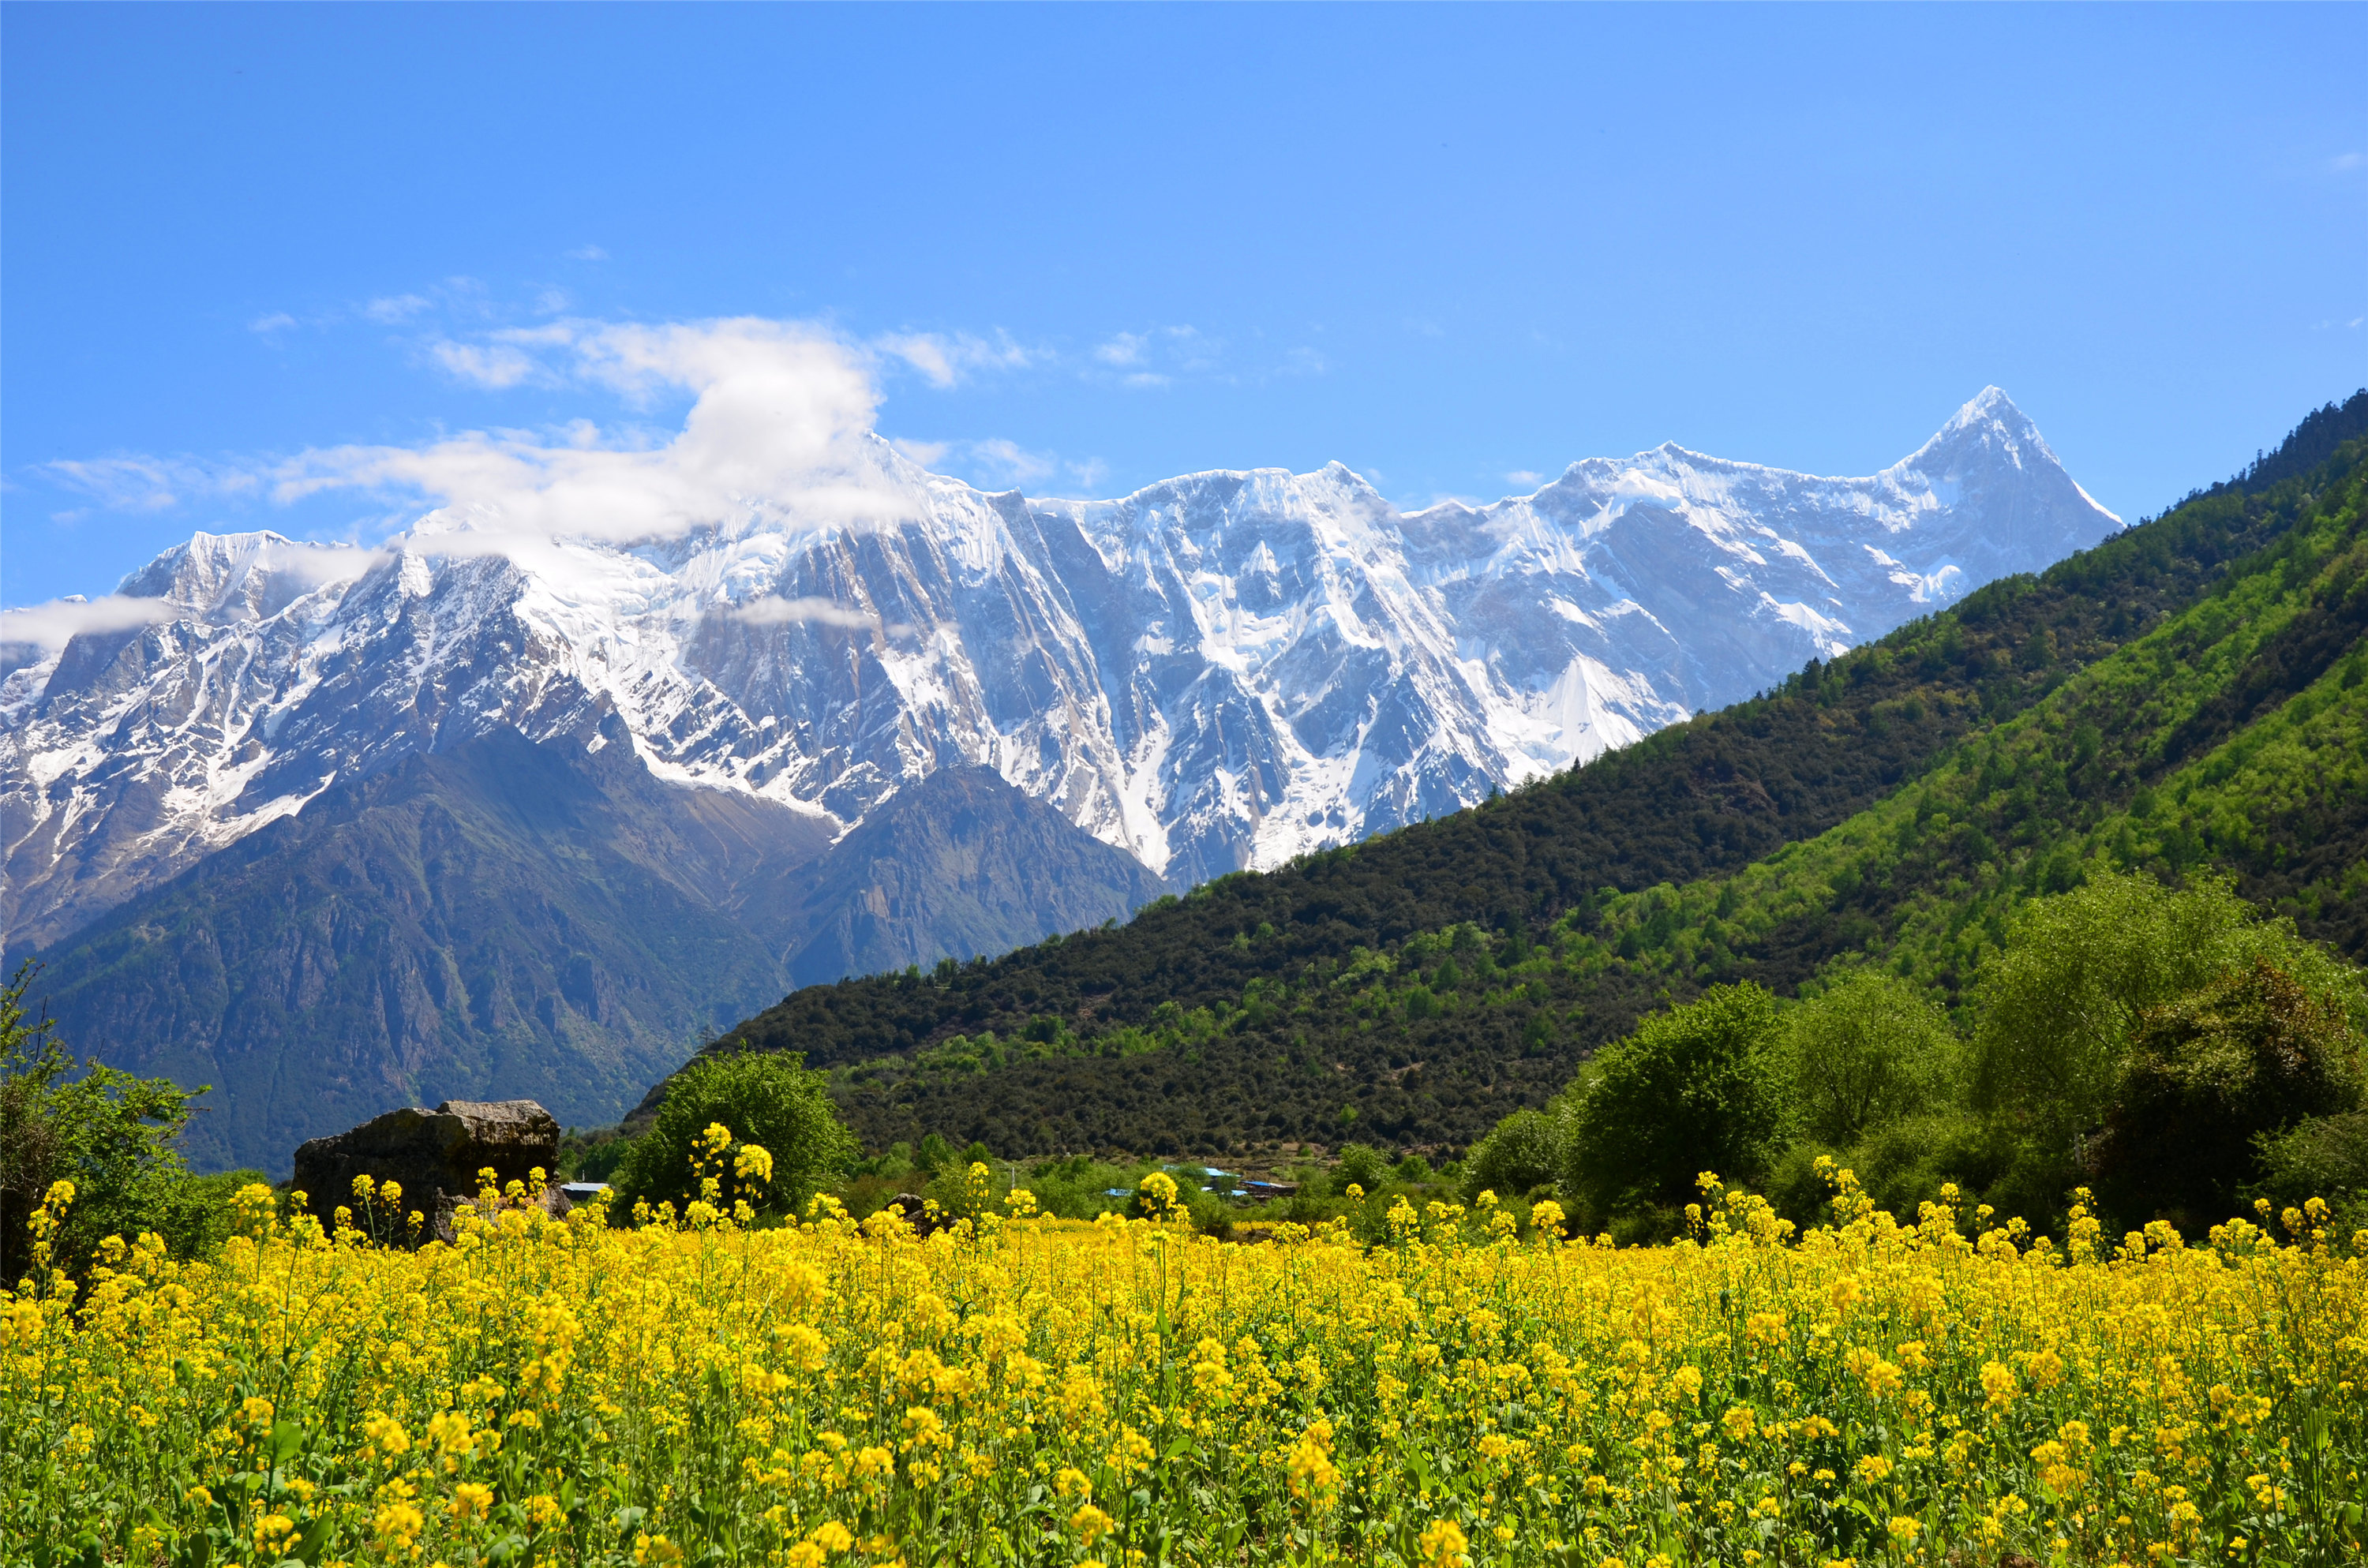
pixel 1693 1089
pixel 1522 1152
pixel 2059 1005
pixel 201 1212
pixel 1362 1165
pixel 2209 1077
pixel 110 1133
pixel 765 1098
pixel 1870 1049
pixel 2325 1156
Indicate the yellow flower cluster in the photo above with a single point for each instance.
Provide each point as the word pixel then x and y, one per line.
pixel 1021 1391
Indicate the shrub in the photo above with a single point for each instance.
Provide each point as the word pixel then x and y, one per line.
pixel 765 1098
pixel 1523 1151
pixel 2059 1005
pixel 2323 1156
pixel 2208 1077
pixel 110 1133
pixel 1362 1165
pixel 1693 1089
pixel 1870 1049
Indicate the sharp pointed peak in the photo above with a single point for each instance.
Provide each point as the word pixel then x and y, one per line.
pixel 1989 404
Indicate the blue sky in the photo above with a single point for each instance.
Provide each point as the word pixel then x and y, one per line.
pixel 1081 249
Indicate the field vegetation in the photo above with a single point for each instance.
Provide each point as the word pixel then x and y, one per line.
pixel 702 1387
pixel 1918 1116
pixel 2188 697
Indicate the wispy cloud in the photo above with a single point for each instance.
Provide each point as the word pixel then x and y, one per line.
pixel 1156 355
pixel 774 610
pixel 1525 478
pixel 494 365
pixel 780 427
pixel 1125 349
pixel 392 307
pixel 149 483
pixel 60 621
pixel 1160 356
pixel 278 321
pixel 992 463
pixel 944 359
pixel 2344 163
pixel 928 454
pixel 587 253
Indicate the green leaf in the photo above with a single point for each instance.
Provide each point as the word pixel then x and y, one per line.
pixel 286 1438
pixel 310 1546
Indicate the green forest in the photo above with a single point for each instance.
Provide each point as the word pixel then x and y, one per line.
pixel 2063 888
pixel 2184 702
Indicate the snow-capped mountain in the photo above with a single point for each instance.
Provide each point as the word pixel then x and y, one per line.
pixel 1217 672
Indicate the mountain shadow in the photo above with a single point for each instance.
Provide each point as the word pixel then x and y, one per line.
pixel 512 919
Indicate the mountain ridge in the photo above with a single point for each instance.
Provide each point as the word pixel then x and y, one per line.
pixel 2186 695
pixel 1220 670
pixel 507 918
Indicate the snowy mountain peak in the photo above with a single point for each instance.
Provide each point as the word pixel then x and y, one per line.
pixel 221 579
pixel 1219 671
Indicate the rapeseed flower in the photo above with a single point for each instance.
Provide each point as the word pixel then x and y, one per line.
pixel 1013 1390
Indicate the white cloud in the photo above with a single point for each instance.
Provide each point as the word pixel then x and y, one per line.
pixel 997 463
pixel 488 365
pixel 1525 478
pixel 1125 349
pixel 278 321
pixel 2344 163
pixel 392 307
pixel 1159 356
pixel 1192 348
pixel 944 359
pixel 928 454
pixel 773 610
pixel 1007 461
pixel 587 253
pixel 147 484
pixel 58 622
pixel 779 426
pixel 994 463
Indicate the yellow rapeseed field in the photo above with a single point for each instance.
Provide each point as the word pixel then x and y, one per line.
pixel 699 1388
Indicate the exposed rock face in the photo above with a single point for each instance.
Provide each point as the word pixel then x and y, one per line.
pixel 544 921
pixel 1220 672
pixel 434 1155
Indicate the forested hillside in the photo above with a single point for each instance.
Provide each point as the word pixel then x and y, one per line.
pixel 2187 694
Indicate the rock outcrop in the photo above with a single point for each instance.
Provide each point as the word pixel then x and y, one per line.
pixel 434 1155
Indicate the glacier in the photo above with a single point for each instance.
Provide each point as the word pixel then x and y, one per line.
pixel 1219 672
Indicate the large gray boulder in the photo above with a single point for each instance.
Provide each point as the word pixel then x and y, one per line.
pixel 434 1155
